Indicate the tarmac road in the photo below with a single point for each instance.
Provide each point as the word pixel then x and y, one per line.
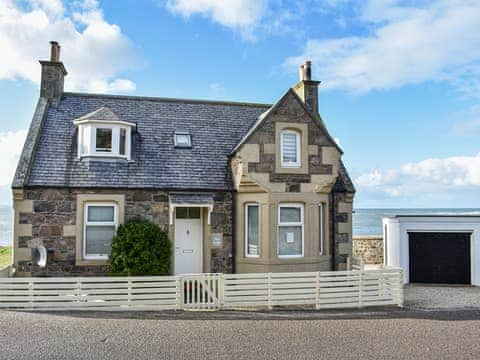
pixel 372 334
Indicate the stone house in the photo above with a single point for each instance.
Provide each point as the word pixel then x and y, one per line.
pixel 239 187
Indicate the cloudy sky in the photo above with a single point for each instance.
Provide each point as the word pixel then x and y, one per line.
pixel 400 79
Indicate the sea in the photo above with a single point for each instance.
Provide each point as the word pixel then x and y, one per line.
pixel 365 221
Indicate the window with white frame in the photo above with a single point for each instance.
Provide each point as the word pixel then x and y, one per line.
pixel 100 226
pixel 321 227
pixel 104 139
pixel 290 148
pixel 290 230
pixel 252 230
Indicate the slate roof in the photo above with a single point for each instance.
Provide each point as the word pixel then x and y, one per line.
pixel 215 128
pixel 104 113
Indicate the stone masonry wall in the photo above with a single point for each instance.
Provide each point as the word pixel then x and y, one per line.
pixel 54 210
pixel 369 248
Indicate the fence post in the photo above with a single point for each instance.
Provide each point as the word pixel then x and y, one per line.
pixel 129 297
pixel 78 291
pixel 221 291
pixel 180 292
pixel 349 263
pixel 400 293
pixel 317 291
pixel 30 293
pixel 269 294
pixel 360 288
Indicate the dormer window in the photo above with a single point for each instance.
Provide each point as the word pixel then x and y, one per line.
pixel 183 140
pixel 290 148
pixel 103 134
pixel 103 140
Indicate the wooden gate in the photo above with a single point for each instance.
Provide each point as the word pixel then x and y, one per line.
pixel 201 291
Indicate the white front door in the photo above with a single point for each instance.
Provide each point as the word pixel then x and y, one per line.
pixel 188 241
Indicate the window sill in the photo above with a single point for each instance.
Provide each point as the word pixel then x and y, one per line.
pixel 91 262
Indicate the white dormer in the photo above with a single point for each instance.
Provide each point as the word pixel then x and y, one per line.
pixel 102 133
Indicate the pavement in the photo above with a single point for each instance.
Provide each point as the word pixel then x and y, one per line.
pixel 445 297
pixel 374 333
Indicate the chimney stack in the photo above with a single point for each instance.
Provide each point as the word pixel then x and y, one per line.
pixel 53 74
pixel 307 89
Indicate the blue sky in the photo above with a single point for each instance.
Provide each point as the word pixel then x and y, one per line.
pixel 400 79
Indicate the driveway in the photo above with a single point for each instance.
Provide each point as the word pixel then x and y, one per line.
pixel 434 297
pixel 366 334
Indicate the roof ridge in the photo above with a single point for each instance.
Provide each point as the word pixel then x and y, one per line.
pixel 166 99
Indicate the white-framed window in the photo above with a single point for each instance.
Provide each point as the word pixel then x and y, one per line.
pixel 252 230
pixel 290 230
pixel 182 139
pixel 100 226
pixel 290 148
pixel 104 139
pixel 321 227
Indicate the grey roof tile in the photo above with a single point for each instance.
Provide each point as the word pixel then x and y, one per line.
pixel 215 128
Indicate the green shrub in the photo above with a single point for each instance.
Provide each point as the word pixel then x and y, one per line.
pixel 140 248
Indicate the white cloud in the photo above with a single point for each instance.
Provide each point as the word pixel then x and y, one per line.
pixel 11 144
pixel 93 50
pixel 435 41
pixel 239 15
pixel 431 176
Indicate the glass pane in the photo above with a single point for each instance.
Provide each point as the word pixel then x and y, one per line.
pixel 252 230
pixel 99 240
pixel 123 137
pixel 289 150
pixel 100 214
pixel 290 240
pixel 182 140
pixel 194 213
pixel 182 212
pixel 290 214
pixel 104 140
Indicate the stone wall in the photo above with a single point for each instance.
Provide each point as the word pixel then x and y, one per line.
pixel 52 216
pixel 369 248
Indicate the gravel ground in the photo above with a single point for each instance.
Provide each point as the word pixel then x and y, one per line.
pixel 372 334
pixel 428 297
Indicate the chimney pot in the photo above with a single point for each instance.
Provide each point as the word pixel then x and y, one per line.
pixel 54 51
pixel 302 73
pixel 307 70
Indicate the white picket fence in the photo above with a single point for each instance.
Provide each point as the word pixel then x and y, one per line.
pixel 319 290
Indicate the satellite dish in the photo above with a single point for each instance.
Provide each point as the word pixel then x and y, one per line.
pixel 39 256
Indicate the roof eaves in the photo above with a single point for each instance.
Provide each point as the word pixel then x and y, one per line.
pixel 29 147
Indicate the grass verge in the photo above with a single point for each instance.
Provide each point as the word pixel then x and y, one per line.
pixel 5 256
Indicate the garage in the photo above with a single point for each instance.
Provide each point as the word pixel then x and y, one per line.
pixel 439 257
pixel 434 249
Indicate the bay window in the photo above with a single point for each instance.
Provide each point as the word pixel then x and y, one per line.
pixel 290 230
pixel 104 139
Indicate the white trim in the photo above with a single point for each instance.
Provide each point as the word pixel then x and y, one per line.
pixel 86 223
pixel 247 205
pixel 298 156
pixel 301 223
pixel 87 140
pixel 107 122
